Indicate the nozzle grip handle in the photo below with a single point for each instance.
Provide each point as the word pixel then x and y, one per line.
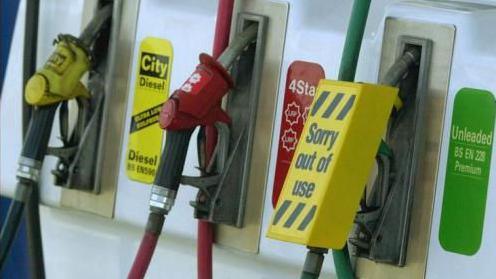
pixel 173 158
pixel 38 134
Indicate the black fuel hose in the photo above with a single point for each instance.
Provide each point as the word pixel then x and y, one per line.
pixel 14 217
pixel 32 215
pixel 34 149
pixel 34 238
pixel 9 230
pixel 313 263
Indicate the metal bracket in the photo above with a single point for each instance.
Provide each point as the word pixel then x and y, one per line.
pixel 228 204
pixel 76 167
pixel 208 184
pixel 366 220
pixel 382 234
pixel 209 195
pixel 225 203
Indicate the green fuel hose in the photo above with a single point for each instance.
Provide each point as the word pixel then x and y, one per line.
pixel 353 43
pixel 347 70
pixel 342 263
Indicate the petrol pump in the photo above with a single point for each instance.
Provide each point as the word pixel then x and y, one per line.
pixel 46 92
pixel 438 224
pixel 386 220
pixel 388 168
pixel 331 163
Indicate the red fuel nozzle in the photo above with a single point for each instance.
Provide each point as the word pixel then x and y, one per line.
pixel 196 103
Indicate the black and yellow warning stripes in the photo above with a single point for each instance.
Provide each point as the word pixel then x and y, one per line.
pixel 337 99
pixel 286 215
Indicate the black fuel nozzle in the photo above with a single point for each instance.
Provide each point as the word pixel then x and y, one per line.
pixel 168 177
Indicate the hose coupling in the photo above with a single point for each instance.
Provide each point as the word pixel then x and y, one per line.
pixel 314 260
pixel 29 169
pixel 162 199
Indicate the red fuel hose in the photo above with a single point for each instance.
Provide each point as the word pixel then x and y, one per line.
pixel 147 246
pixel 204 249
pixel 205 229
pixel 144 256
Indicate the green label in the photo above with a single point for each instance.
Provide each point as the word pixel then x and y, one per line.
pixel 467 173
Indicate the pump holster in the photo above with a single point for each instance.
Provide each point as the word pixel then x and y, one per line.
pixel 59 81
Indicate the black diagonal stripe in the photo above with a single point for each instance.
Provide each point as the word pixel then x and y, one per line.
pixel 284 206
pixel 318 103
pixel 145 118
pixel 333 105
pixel 307 219
pixel 294 215
pixel 346 108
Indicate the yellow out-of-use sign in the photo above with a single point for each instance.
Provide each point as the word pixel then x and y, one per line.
pixel 153 70
pixel 332 162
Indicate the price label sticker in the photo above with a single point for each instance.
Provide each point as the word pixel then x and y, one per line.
pixel 302 80
pixel 467 171
pixel 151 91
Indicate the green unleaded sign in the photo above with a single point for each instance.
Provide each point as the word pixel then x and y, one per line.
pixel 467 173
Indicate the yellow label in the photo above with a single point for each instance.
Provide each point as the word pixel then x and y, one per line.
pixel 151 91
pixel 332 162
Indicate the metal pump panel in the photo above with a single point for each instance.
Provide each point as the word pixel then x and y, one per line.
pixel 331 164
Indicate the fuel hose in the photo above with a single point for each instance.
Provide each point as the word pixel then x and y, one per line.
pixel 205 231
pixel 393 76
pixel 33 151
pixel 401 67
pixel 347 70
pixel 168 176
pixel 32 215
pixel 167 179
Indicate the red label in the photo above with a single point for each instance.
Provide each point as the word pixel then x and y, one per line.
pixel 301 83
pixel 197 81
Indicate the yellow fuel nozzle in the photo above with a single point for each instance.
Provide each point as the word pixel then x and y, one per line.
pixel 59 79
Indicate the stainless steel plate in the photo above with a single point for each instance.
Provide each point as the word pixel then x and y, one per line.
pixel 443 37
pixel 118 75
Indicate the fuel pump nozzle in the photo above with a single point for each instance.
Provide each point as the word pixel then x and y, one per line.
pixel 195 104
